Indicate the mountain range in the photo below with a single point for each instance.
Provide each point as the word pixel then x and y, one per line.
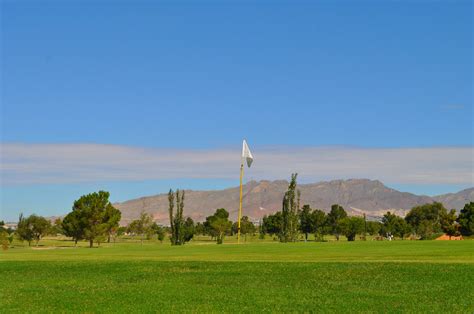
pixel 357 196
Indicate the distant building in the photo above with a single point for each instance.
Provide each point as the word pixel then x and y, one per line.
pixel 10 225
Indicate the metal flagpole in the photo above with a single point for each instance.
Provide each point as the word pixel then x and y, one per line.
pixel 240 204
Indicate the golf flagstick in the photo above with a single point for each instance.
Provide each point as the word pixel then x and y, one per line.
pixel 247 156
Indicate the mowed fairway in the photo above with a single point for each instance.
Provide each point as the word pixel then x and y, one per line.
pixel 414 276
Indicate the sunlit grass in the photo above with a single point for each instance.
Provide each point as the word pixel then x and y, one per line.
pixel 371 276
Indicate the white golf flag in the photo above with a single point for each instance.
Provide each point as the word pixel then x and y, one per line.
pixel 246 154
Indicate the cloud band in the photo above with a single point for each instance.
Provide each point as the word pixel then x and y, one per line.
pixel 76 163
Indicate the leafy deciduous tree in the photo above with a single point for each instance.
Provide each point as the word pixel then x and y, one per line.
pixel 334 218
pixel 306 221
pixel 188 229
pixel 449 224
pixel 4 238
pixel 425 219
pixel 388 221
pixel 393 225
pixel 159 231
pixel 33 228
pixel 246 227
pixel 318 219
pixel 402 228
pixel 220 224
pixel 466 219
pixel 200 229
pixel 24 230
pixel 57 227
pixel 142 226
pixel 271 224
pixel 351 226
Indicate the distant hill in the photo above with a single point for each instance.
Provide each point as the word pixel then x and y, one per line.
pixel 456 200
pixel 261 198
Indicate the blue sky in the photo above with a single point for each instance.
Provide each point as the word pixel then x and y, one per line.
pixel 202 75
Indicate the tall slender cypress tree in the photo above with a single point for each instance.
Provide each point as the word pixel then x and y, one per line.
pixel 290 207
pixel 176 219
pixel 170 210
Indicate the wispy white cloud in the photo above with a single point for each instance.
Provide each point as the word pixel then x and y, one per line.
pixel 75 163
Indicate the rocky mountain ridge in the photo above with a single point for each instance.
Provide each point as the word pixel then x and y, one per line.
pixel 357 196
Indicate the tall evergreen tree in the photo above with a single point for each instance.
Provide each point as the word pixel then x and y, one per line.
pixel 171 214
pixel 94 214
pixel 179 220
pixel 73 227
pixel 290 206
pixel 179 234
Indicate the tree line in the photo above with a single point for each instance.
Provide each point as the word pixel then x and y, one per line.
pixel 94 219
pixel 423 222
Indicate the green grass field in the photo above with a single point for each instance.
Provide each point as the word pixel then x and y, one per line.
pixel 371 276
